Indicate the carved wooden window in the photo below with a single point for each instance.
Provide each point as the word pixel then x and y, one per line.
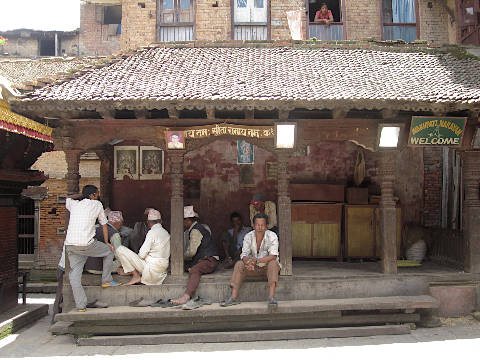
pixel 469 22
pixel 175 20
pixel 250 19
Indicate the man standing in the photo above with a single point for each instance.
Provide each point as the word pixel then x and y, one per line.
pixel 150 265
pixel 260 205
pixel 232 240
pixel 201 249
pixel 80 242
pixel 259 258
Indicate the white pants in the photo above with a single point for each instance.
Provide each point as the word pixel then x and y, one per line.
pixel 153 271
pixel 129 260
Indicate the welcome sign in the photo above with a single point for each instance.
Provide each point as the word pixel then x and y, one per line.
pixel 436 131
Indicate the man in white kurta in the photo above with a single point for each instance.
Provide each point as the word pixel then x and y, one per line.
pixel 150 265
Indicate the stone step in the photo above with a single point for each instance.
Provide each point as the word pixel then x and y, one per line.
pixel 244 336
pixel 249 315
pixel 22 315
pixel 218 288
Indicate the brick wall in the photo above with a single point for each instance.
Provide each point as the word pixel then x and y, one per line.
pixel 138 24
pixel 94 39
pixel 433 22
pixel 213 23
pixel 8 258
pixel 69 46
pixel 363 19
pixel 54 165
pixel 278 13
pixel 432 159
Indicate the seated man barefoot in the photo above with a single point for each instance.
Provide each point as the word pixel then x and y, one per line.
pixel 150 265
pixel 259 258
pixel 201 248
pixel 232 240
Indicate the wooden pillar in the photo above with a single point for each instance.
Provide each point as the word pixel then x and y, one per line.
pixel 176 220
pixel 73 171
pixel 388 213
pixel 471 210
pixel 105 177
pixel 284 212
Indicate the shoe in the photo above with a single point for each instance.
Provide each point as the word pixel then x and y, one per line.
pixel 97 305
pixel 272 303
pixel 81 310
pixel 111 284
pixel 140 303
pixel 229 302
pixel 203 301
pixel 191 304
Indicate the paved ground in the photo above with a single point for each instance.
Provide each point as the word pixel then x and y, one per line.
pixel 454 339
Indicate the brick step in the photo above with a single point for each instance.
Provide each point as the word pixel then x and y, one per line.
pixel 244 336
pixel 249 315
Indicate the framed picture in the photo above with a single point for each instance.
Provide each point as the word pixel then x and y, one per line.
pixel 175 140
pixel 125 162
pixel 245 152
pixel 151 163
pixel 247 176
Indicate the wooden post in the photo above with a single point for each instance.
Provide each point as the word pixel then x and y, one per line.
pixel 105 177
pixel 176 221
pixel 284 212
pixel 388 213
pixel 471 210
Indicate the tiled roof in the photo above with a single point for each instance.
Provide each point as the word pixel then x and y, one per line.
pixel 22 72
pixel 264 76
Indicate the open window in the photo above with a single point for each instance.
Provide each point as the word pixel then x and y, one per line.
pixel 399 20
pixel 250 19
pixel 319 29
pixel 175 20
pixel 112 15
pixel 469 22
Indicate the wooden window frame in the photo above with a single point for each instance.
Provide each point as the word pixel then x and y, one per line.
pixel 383 23
pixel 233 24
pixel 343 22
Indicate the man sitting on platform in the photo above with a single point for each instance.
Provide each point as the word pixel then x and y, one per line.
pixel 260 205
pixel 232 240
pixel 201 248
pixel 150 265
pixel 259 258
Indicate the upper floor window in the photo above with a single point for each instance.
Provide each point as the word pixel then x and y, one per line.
pixel 325 20
pixel 175 20
pixel 112 14
pixel 250 19
pixel 469 21
pixel 399 20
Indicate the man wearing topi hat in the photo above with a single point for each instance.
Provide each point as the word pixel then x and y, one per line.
pixel 150 265
pixel 201 249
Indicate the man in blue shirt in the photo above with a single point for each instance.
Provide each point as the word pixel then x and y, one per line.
pixel 232 240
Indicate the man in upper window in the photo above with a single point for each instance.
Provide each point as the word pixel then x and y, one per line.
pixel 260 205
pixel 80 242
pixel 201 249
pixel 259 258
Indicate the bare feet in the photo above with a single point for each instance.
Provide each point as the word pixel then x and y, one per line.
pixel 120 271
pixel 181 300
pixel 134 280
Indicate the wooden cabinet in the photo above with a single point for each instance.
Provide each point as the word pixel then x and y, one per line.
pixel 362 234
pixel 316 230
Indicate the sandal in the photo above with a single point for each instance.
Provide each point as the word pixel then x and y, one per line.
pixel 229 302
pixel 97 305
pixel 272 303
pixel 191 304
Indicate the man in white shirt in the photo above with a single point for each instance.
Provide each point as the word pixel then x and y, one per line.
pixel 259 258
pixel 150 265
pixel 80 242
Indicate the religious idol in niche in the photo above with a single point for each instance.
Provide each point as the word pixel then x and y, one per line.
pixel 126 162
pixel 245 152
pixel 175 139
pixel 151 160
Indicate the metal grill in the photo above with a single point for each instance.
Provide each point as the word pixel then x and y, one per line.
pixel 26 228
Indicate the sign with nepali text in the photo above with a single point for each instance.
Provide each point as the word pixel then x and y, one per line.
pixel 436 131
pixel 199 132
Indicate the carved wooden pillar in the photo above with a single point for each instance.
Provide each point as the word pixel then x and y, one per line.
pixel 388 213
pixel 176 221
pixel 471 210
pixel 284 212
pixel 105 177
pixel 73 171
